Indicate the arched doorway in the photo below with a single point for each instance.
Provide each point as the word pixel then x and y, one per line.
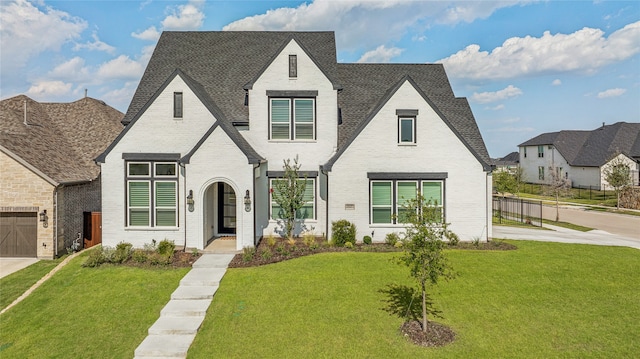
pixel 220 211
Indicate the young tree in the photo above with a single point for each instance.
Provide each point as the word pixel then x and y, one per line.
pixel 423 246
pixel 504 182
pixel 618 174
pixel 558 186
pixel 288 193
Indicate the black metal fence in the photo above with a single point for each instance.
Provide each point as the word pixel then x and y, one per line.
pixel 517 209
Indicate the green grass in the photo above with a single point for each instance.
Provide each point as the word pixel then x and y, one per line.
pixel 544 300
pixel 512 223
pixel 575 227
pixel 87 312
pixel 13 285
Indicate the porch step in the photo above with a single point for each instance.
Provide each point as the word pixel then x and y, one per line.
pixel 217 261
pixel 203 277
pixel 164 346
pixel 194 292
pixel 186 308
pixel 176 326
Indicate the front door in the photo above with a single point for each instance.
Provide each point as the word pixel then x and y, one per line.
pixel 226 209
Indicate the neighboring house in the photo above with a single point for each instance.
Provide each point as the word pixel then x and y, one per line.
pixel 48 177
pixel 216 113
pixel 508 163
pixel 581 156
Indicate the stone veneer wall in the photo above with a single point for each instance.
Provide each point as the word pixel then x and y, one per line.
pixel 21 189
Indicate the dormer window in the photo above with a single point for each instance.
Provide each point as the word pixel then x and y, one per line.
pixel 177 104
pixel 293 66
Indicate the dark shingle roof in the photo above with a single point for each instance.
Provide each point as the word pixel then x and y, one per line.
pixel 512 158
pixel 224 62
pixel 593 148
pixel 60 139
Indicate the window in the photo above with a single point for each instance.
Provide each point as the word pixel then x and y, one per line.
pixel 293 66
pixel 177 104
pixel 292 118
pixel 152 196
pixel 308 209
pixel 388 197
pixel 540 151
pixel 540 172
pixel 406 130
pixel 525 152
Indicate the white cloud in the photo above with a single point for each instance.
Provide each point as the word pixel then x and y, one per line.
pixel 49 89
pixel 497 108
pixel 95 45
pixel 611 93
pixel 367 23
pixel 556 82
pixel 27 31
pixel 185 17
pixel 586 50
pixel 380 54
pixel 121 67
pixel 120 98
pixel 150 34
pixel 487 97
pixel 72 70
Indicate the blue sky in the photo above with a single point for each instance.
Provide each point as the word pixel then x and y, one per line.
pixel 527 67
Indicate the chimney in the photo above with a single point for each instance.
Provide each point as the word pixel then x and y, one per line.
pixel 85 93
pixel 25 113
pixel 603 125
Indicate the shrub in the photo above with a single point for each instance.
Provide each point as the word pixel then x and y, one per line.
pixel 343 232
pixel 454 239
pixel 107 254
pixel 366 240
pixel 348 244
pixel 156 258
pixel 309 239
pixel 94 259
pixel 166 247
pixel 266 253
pixel 391 238
pixel 122 253
pixel 248 253
pixel 139 256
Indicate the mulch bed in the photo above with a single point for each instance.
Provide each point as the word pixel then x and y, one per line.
pixel 437 334
pixel 282 250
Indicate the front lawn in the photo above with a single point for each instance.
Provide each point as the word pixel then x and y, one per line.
pixel 87 312
pixel 540 301
pixel 19 282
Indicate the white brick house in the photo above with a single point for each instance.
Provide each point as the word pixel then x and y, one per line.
pixel 216 113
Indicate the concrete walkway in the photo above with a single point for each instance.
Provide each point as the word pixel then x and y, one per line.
pixel 565 235
pixel 11 265
pixel 172 334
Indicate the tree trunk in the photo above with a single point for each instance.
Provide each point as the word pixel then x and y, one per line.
pixel 557 209
pixel 424 309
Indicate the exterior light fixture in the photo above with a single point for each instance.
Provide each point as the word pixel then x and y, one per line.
pixel 44 218
pixel 190 201
pixel 247 202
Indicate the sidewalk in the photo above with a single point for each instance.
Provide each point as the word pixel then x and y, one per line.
pixel 565 235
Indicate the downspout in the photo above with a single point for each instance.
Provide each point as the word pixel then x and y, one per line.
pixel 255 224
pixel 184 175
pixel 55 219
pixel 326 205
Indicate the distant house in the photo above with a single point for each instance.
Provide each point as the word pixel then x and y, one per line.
pixel 581 156
pixel 48 177
pixel 508 163
pixel 216 113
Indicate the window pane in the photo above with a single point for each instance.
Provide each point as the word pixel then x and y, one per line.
pixel 139 194
pixel 406 191
pixel 432 191
pixel 177 104
pixel 276 211
pixel 139 217
pixel 381 215
pixel 280 132
pixel 381 193
pixel 304 110
pixel 306 212
pixel 139 169
pixel 166 217
pixel 309 190
pixel 165 169
pixel 280 111
pixel 165 194
pixel 304 132
pixel 406 130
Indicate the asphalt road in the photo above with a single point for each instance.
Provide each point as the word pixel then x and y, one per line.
pixel 614 223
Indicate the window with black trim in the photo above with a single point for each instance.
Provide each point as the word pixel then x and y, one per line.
pixel 292 118
pixel 540 151
pixel 308 209
pixel 293 66
pixel 152 194
pixel 177 105
pixel 406 130
pixel 387 197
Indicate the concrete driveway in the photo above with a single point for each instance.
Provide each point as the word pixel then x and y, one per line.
pixel 564 235
pixel 10 265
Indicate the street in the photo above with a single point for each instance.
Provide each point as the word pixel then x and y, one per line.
pixel 620 224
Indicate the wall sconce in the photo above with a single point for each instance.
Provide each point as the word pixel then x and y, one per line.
pixel 44 218
pixel 247 202
pixel 190 201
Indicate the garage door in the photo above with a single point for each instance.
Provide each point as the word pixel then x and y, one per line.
pixel 18 234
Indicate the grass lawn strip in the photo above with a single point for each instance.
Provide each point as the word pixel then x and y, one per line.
pixel 542 300
pixel 15 284
pixel 87 312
